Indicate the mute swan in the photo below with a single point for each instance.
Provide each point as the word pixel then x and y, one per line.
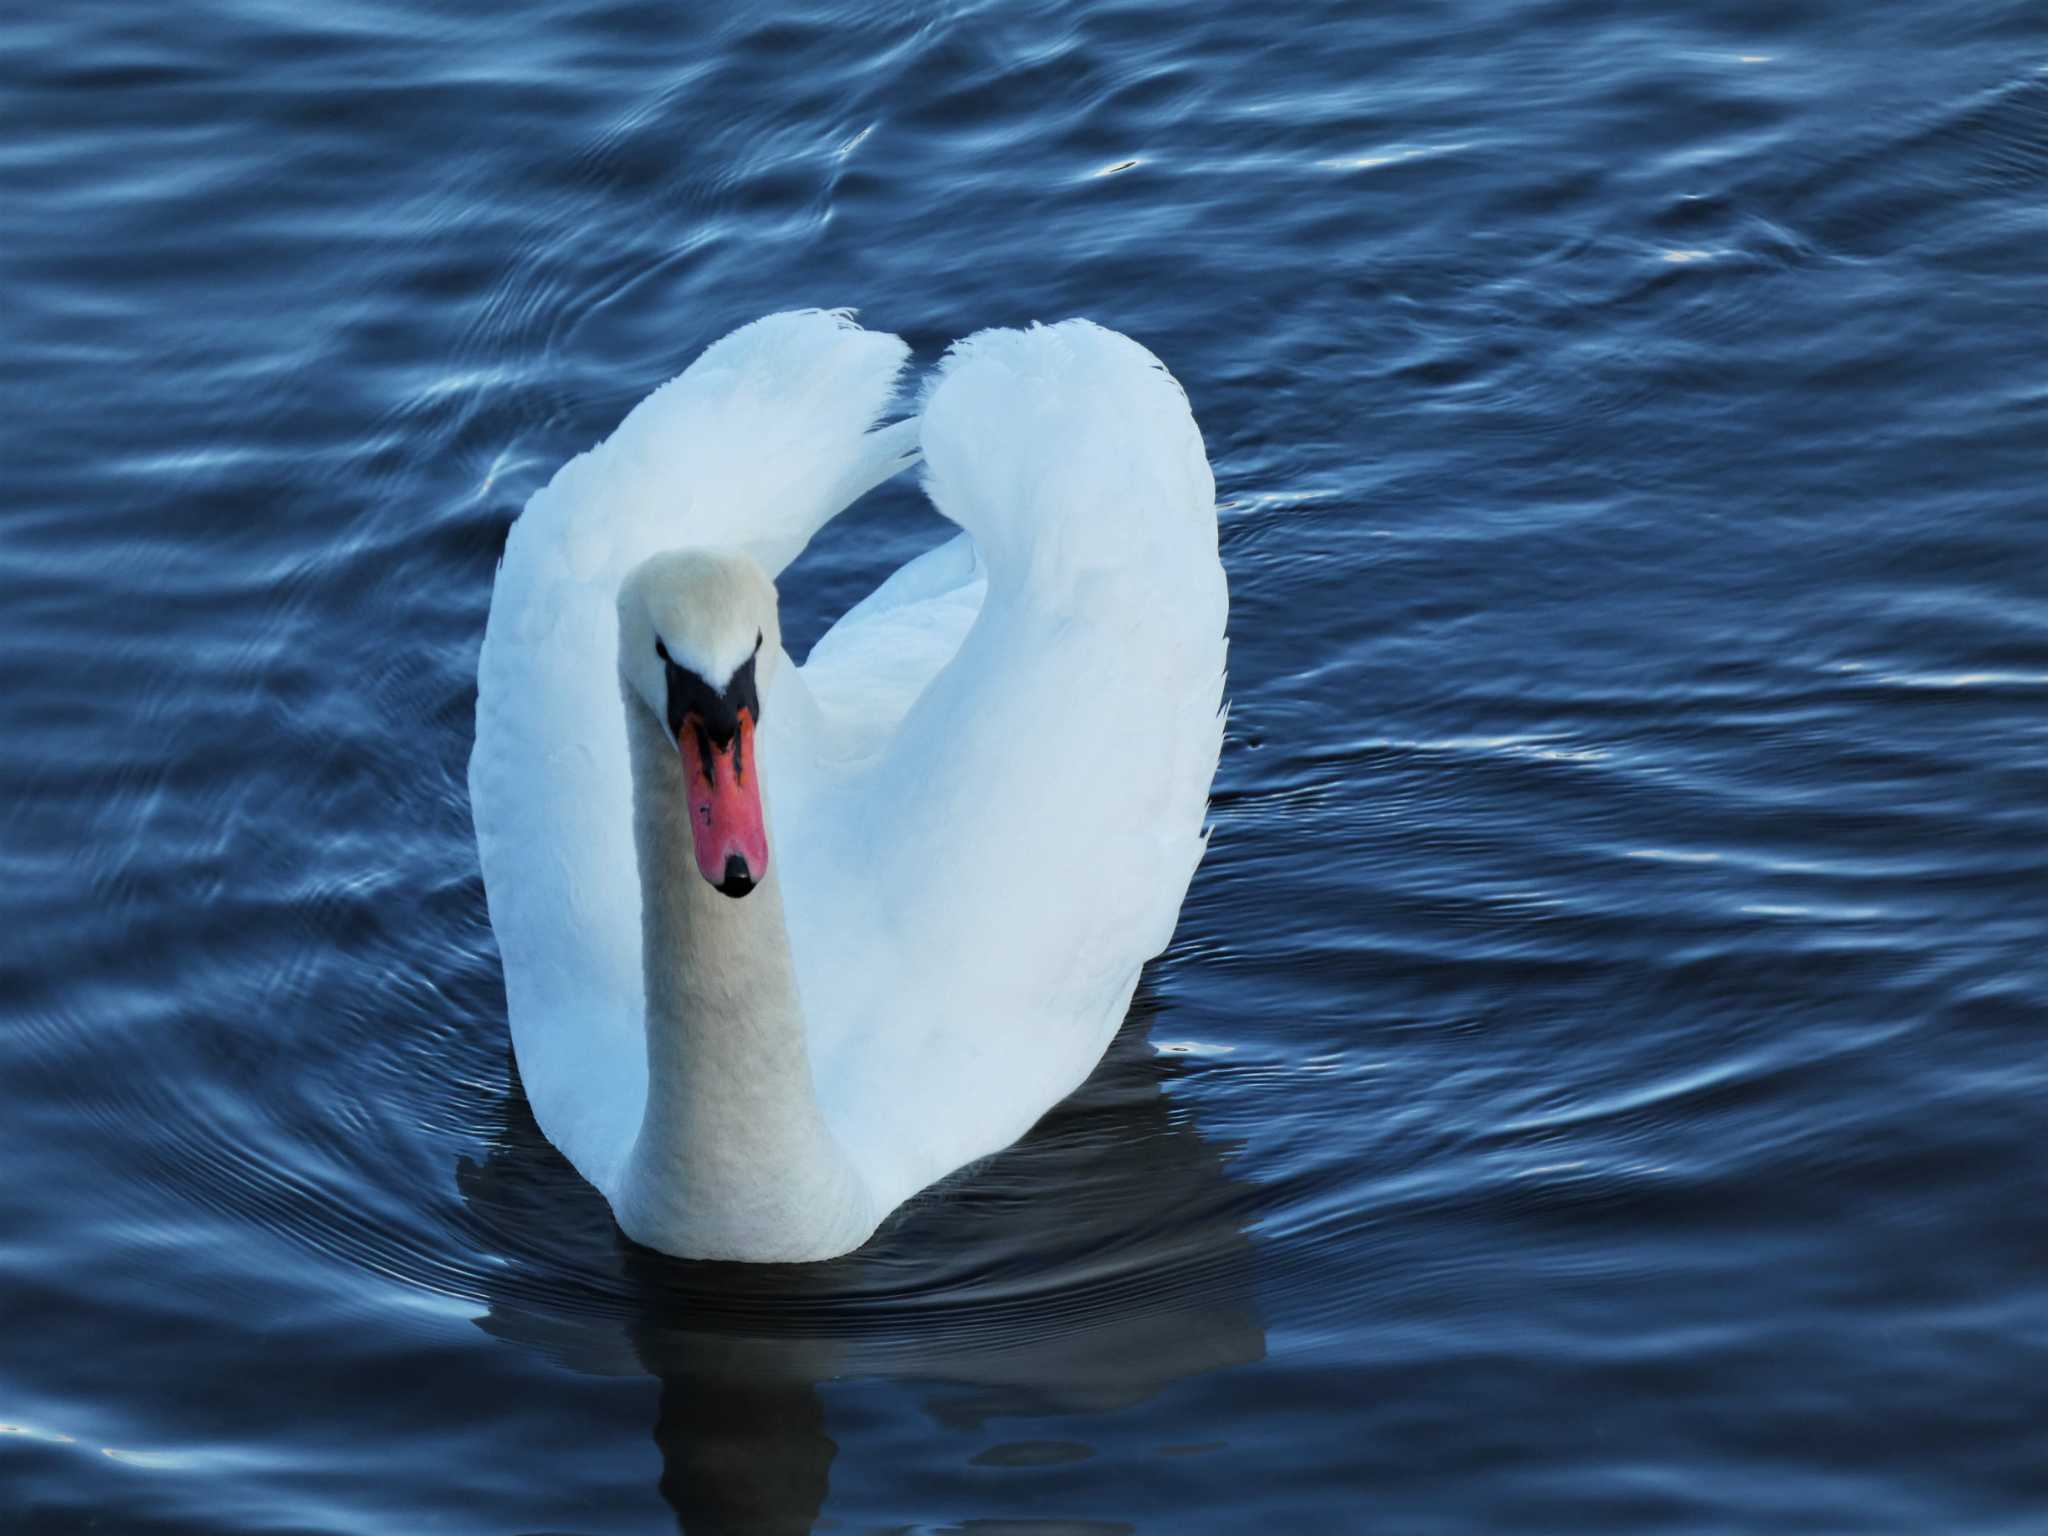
pixel 783 945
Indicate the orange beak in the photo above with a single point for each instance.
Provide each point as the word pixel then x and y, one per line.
pixel 726 822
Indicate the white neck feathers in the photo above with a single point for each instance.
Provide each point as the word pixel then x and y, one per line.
pixel 734 1158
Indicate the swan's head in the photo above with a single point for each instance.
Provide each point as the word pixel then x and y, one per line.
pixel 698 638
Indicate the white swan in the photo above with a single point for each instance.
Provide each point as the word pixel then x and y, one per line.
pixel 959 829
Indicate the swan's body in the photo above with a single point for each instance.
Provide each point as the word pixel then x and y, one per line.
pixel 984 792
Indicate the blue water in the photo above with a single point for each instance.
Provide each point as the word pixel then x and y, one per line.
pixel 1598 1080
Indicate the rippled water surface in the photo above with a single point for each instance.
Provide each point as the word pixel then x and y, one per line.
pixel 1598 1081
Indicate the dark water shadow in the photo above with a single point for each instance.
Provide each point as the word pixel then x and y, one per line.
pixel 1085 1269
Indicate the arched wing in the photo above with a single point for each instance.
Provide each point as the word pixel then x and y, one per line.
pixel 756 445
pixel 1021 843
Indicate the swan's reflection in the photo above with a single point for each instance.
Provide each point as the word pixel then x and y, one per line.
pixel 1083 1270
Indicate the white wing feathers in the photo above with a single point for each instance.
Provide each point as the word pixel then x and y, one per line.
pixel 1023 842
pixel 755 444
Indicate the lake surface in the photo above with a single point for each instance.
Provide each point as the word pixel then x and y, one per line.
pixel 1598 1081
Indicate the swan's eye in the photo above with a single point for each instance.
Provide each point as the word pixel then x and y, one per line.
pixel 660 649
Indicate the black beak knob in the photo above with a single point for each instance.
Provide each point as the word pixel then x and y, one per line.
pixel 738 878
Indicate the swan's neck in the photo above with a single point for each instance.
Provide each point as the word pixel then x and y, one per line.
pixel 734 1158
